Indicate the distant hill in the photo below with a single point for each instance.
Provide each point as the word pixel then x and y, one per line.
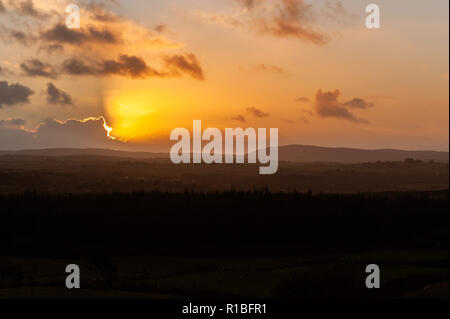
pixel 62 152
pixel 305 153
pixel 291 153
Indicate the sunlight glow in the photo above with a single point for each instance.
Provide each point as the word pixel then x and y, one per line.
pixel 132 114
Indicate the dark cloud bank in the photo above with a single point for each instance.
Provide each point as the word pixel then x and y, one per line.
pixel 89 133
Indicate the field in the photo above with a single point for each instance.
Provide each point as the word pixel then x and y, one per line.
pixel 101 174
pixel 234 244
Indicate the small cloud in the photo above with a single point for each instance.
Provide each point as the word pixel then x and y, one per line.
pixel 12 123
pixel 276 18
pixel 63 35
pixel 135 67
pixel 257 112
pixel 27 8
pixel 125 65
pixel 13 94
pixel 249 4
pixel 358 103
pixel 57 96
pixel 302 99
pixel 328 105
pixel 52 48
pixel 269 68
pixel 382 97
pixel 18 36
pixel 338 13
pixel 130 66
pixel 98 12
pixel 75 66
pixel 187 63
pixel 239 118
pixel 160 28
pixel 2 7
pixel 35 67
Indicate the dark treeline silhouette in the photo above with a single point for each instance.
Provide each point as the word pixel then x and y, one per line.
pixel 231 223
pixel 225 245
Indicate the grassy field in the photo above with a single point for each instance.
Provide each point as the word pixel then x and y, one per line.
pixel 405 274
pixel 95 174
pixel 225 245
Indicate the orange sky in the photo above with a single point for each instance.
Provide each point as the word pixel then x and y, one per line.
pixel 315 72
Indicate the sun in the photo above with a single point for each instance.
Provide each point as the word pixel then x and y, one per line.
pixel 132 114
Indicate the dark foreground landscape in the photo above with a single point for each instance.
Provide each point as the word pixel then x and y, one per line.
pixel 222 232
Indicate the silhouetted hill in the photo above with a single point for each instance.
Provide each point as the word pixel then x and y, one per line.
pixel 305 153
pixel 290 153
pixel 62 152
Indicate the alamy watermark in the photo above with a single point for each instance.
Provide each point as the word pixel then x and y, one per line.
pixel 373 19
pixel 73 19
pixel 226 149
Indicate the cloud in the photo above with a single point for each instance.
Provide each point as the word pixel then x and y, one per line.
pixel 328 105
pixel 98 12
pixel 257 112
pixel 292 20
pixel 160 28
pixel 239 118
pixel 302 99
pixel 269 68
pixel 27 8
pixel 187 63
pixel 249 4
pixel 358 103
pixel 87 133
pixel 100 26
pixel 14 123
pixel 35 68
pixel 21 37
pixel 130 66
pixel 92 34
pixel 52 48
pixel 13 94
pixel 2 7
pixel 90 132
pixel 338 13
pixel 57 96
pixel 75 66
pixel 136 67
pixel 276 18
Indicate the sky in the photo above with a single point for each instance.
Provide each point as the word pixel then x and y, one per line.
pixel 137 69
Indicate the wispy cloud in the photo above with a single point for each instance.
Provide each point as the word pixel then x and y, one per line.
pixel 257 112
pixel 37 68
pixel 302 99
pixel 276 18
pixel 239 118
pixel 270 68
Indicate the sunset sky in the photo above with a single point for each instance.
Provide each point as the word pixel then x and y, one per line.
pixel 144 67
